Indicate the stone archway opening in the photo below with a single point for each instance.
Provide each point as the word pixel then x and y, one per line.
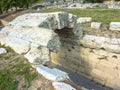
pixel 37 34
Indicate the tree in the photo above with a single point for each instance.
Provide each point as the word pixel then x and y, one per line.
pixel 1 6
pixel 5 5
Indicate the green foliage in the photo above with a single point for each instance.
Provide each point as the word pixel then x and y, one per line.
pixel 12 67
pixel 5 5
pixel 7 82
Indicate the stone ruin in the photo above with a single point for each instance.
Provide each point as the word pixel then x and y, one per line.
pixel 33 34
pixel 55 37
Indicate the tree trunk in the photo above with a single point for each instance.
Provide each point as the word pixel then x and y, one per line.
pixel 1 11
pixel 7 8
pixel 16 8
pixel 27 6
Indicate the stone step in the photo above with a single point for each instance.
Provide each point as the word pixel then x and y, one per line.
pixel 52 74
pixel 62 86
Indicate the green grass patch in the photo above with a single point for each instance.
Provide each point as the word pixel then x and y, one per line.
pixel 13 66
pixel 98 15
pixel 7 80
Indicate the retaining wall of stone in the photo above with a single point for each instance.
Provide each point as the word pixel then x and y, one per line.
pixel 97 63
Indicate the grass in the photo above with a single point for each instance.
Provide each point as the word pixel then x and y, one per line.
pixel 12 66
pixel 7 82
pixel 98 15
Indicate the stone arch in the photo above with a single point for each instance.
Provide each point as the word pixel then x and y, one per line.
pixel 33 34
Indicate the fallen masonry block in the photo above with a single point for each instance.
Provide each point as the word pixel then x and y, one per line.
pixel 84 19
pixel 3 51
pixel 62 86
pixel 115 26
pixel 53 74
pixel 38 55
pixel 18 45
pixel 96 25
pixel 78 31
pixel 39 36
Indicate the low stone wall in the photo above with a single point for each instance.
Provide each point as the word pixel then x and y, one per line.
pixel 98 64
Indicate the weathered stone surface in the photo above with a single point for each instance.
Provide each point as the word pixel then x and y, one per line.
pixel 110 44
pixel 92 58
pixel 84 19
pixel 56 20
pixel 96 25
pixel 115 26
pixel 78 31
pixel 18 45
pixel 39 36
pixel 114 6
pixel 38 55
pixel 3 51
pixel 62 86
pixel 52 73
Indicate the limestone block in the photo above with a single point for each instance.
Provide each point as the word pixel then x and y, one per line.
pixel 39 36
pixel 18 45
pixel 98 42
pixel 96 25
pixel 56 20
pixel 62 20
pixel 38 55
pixel 84 19
pixel 114 26
pixel 3 51
pixel 62 86
pixel 72 20
pixel 28 19
pixel 53 74
pixel 78 31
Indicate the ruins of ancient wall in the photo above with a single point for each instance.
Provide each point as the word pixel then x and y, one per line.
pixel 97 58
pixel 45 37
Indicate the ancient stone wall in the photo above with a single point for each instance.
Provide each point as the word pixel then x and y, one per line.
pixel 95 60
pixel 45 37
